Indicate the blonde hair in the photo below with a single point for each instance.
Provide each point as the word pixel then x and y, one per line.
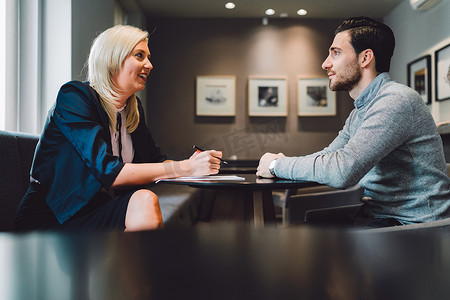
pixel 108 51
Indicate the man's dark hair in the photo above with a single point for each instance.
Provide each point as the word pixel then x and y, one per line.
pixel 366 33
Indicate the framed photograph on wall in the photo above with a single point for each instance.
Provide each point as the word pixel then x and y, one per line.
pixel 267 96
pixel 419 77
pixel 216 96
pixel 315 97
pixel 442 70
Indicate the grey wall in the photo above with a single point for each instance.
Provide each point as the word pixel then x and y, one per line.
pixel 88 19
pixel 419 33
pixel 185 48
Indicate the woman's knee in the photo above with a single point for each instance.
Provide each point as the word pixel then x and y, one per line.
pixel 143 211
pixel 145 199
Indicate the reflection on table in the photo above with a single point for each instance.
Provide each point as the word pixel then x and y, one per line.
pixel 225 262
pixel 239 167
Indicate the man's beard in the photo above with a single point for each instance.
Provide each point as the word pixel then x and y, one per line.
pixel 347 81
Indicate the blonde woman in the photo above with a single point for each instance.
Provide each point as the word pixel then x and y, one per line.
pixel 96 150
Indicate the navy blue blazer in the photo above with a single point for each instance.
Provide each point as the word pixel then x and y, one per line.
pixel 73 159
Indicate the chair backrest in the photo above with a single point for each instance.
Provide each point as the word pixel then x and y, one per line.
pixel 16 156
pixel 298 205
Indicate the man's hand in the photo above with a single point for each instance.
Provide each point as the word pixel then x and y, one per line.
pixel 264 162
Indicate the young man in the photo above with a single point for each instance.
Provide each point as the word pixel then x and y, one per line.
pixel 389 144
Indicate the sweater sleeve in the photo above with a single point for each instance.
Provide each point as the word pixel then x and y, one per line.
pixel 341 140
pixel 384 127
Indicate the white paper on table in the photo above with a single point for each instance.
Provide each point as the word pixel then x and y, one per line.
pixel 205 178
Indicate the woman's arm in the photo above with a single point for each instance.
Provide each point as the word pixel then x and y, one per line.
pixel 199 164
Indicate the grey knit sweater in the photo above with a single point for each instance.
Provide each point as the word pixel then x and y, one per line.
pixel 391 147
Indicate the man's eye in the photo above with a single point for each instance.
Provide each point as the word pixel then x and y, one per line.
pixel 336 53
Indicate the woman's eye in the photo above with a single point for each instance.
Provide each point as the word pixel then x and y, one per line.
pixel 140 55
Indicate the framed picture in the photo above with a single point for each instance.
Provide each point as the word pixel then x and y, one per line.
pixel 419 77
pixel 315 97
pixel 216 96
pixel 267 96
pixel 442 69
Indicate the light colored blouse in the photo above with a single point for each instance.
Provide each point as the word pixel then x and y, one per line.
pixel 127 143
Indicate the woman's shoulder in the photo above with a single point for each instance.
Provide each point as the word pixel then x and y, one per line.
pixel 75 85
pixel 76 95
pixel 76 90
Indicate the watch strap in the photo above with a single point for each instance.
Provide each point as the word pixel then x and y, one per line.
pixel 272 166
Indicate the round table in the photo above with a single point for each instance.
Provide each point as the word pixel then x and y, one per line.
pixel 248 200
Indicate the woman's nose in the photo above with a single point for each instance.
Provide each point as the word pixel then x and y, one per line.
pixel 148 64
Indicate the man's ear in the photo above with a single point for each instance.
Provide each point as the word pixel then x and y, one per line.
pixel 366 57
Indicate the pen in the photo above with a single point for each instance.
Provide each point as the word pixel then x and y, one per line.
pixel 200 149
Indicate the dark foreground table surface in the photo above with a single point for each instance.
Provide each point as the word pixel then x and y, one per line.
pixel 225 262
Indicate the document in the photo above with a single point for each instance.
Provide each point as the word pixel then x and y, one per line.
pixel 205 178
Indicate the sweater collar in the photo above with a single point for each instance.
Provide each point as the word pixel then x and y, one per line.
pixel 372 89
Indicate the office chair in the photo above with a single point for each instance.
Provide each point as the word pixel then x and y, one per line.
pixel 299 204
pixel 337 211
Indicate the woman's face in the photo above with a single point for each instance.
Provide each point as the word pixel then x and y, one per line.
pixel 135 70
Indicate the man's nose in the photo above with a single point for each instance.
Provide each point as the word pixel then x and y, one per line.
pixel 326 64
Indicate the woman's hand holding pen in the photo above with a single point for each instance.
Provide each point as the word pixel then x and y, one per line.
pixel 201 163
pixel 204 162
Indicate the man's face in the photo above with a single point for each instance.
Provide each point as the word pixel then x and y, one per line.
pixel 342 64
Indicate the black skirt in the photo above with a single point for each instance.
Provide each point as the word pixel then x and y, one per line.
pixel 105 211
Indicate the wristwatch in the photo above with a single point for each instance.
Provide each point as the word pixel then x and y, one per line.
pixel 272 166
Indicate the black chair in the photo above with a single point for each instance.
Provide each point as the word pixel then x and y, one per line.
pixel 297 205
pixel 335 211
pixel 16 156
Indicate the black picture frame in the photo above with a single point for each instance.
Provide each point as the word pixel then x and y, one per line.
pixel 419 77
pixel 442 73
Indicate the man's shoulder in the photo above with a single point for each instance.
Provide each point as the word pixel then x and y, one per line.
pixel 399 94
pixel 396 88
pixel 400 102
